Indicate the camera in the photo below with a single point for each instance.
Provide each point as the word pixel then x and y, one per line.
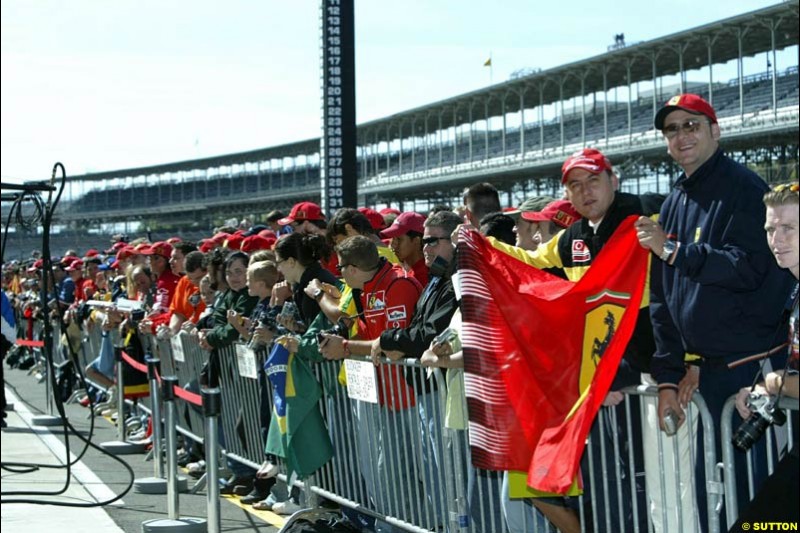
pixel 137 315
pixel 670 423
pixel 764 414
pixel 339 330
pixel 269 323
pixel 288 310
pixel 449 336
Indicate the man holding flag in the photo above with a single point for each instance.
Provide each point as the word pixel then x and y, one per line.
pixel 556 390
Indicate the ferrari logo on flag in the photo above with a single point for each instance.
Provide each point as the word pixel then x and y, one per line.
pixel 600 325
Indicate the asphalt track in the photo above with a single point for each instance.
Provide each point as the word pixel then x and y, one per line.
pixel 97 477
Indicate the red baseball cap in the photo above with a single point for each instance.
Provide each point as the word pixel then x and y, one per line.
pixel 233 242
pixel 91 253
pixel 117 245
pixel 161 248
pixel 375 218
pixel 173 240
pixel 220 237
pixel 268 233
pixel 125 252
pixel 588 159
pixel 303 211
pixel 206 245
pixel 257 242
pixel 405 222
pixel 389 211
pixel 688 102
pixel 39 263
pixel 561 212
pixel 77 264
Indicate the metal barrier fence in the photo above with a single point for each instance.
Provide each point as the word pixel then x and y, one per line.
pixel 778 440
pixel 395 460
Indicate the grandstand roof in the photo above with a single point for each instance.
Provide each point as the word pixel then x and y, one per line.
pixel 294 149
pixel 721 36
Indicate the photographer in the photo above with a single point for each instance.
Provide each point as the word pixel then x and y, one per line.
pixel 778 496
pixel 261 277
pixel 364 270
pixel 384 296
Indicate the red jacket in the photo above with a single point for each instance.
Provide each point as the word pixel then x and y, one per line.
pixel 387 301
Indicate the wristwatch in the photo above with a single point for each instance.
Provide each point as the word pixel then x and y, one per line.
pixel 668 250
pixel 318 294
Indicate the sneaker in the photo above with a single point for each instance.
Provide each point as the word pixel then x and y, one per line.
pixel 186 458
pixel 261 488
pixel 136 434
pixel 85 401
pixel 240 486
pixel 267 470
pixel 199 466
pixel 286 508
pixel 266 504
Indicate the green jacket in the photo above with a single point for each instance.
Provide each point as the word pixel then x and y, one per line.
pixel 223 333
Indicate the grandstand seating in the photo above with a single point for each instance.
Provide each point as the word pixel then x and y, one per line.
pixel 372 168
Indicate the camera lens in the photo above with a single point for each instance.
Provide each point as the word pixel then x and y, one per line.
pixel 749 432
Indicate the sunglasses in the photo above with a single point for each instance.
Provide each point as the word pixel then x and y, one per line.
pixel 690 126
pixel 791 187
pixel 339 268
pixel 430 241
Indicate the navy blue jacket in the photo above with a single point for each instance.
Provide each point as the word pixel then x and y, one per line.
pixel 722 298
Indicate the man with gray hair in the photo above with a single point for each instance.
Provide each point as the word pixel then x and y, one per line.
pixel 432 315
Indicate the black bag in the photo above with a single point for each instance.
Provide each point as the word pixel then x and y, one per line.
pixel 320 520
pixel 322 525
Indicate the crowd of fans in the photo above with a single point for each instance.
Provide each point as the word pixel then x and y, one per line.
pixel 722 297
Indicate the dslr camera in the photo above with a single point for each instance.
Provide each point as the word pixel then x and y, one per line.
pixel 764 414
pixel 340 330
pixel 137 315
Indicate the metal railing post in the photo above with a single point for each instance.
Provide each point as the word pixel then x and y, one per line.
pixel 212 407
pixel 173 522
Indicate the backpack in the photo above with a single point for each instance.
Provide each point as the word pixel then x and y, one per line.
pixel 319 521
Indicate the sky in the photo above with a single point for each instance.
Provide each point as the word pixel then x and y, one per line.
pixel 101 86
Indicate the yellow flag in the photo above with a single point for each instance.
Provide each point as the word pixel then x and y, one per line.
pixel 488 63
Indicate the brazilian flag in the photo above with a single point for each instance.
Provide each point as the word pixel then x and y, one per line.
pixel 297 432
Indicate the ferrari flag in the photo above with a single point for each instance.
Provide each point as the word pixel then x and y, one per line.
pixel 540 352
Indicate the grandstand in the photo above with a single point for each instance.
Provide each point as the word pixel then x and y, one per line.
pixel 514 134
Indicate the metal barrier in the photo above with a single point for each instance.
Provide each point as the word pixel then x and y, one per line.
pixel 389 456
pixel 241 399
pixel 187 359
pixel 778 440
pixel 396 462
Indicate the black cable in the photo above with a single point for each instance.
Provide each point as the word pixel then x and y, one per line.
pixel 44 214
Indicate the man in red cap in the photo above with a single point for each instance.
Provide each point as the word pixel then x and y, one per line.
pixel 167 280
pixel 406 241
pixel 715 289
pixel 590 185
pixel 75 272
pixel 375 218
pixel 554 217
pixel 306 217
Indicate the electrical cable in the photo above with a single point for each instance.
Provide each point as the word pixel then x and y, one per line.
pixel 43 214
